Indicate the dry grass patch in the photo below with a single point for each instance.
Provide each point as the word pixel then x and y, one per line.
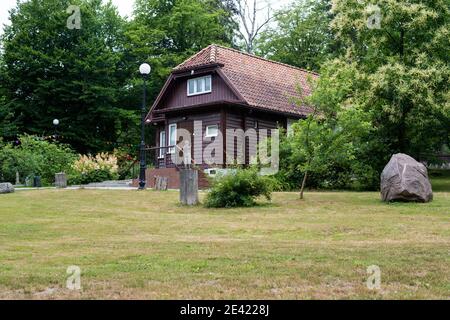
pixel 144 245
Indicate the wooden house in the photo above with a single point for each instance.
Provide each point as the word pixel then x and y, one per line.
pixel 222 88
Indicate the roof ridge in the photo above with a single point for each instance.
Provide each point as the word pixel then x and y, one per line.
pixel 261 58
pixel 213 53
pixel 194 56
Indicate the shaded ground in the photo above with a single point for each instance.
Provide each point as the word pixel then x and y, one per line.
pixel 132 244
pixel 440 179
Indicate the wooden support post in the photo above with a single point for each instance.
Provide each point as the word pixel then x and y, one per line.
pixel 161 183
pixel 189 186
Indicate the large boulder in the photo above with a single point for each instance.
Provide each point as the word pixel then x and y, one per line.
pixel 6 188
pixel 405 179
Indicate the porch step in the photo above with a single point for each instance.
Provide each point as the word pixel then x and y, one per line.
pixel 111 184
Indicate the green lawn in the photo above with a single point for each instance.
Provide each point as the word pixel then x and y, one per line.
pixel 132 244
pixel 440 180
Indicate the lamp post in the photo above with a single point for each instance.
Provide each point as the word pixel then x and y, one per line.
pixel 144 69
pixel 56 123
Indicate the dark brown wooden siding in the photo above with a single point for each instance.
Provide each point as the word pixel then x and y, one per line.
pixel 235 119
pixel 188 121
pixel 178 94
pixel 255 121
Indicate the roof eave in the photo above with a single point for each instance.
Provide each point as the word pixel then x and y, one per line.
pixel 196 67
pixel 232 103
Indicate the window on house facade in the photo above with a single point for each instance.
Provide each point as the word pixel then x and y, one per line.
pixel 162 143
pixel 212 131
pixel 172 137
pixel 289 129
pixel 199 85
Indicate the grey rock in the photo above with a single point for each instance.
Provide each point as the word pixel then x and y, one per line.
pixel 405 179
pixel 6 188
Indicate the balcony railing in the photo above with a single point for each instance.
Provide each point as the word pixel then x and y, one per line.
pixel 163 158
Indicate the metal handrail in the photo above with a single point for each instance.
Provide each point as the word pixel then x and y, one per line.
pixel 168 147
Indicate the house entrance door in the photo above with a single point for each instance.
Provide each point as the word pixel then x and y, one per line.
pixel 188 126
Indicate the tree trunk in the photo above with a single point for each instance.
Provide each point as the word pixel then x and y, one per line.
pixel 303 184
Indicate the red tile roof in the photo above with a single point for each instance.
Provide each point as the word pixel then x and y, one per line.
pixel 262 83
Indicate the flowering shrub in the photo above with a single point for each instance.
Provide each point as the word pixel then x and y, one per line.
pixel 89 169
pixel 102 161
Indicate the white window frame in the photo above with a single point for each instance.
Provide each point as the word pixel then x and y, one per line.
pixel 196 91
pixel 172 149
pixel 162 143
pixel 210 135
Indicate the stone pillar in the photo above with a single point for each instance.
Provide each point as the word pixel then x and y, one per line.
pixel 189 186
pixel 60 180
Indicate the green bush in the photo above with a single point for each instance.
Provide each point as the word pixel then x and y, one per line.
pixel 343 155
pixel 128 165
pixel 93 176
pixel 34 157
pixel 238 189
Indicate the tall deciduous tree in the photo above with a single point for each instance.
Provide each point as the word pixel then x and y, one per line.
pixel 387 93
pixel 399 50
pixel 76 75
pixel 8 126
pixel 301 35
pixel 164 33
pixel 253 17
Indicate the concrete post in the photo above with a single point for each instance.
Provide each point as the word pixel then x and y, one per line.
pixel 60 180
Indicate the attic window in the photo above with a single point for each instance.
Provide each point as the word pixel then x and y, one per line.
pixel 199 85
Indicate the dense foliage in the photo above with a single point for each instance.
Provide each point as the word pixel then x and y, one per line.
pixel 401 71
pixel 301 35
pixel 31 156
pixel 239 189
pixel 388 93
pixel 34 157
pixel 165 33
pixel 87 77
pixel 76 75
pixel 384 84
